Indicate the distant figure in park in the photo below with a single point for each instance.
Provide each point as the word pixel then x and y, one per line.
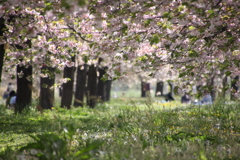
pixel 114 95
pixel 11 100
pixel 8 90
pixel 6 94
pixel 169 97
pixel 207 98
pixel 186 98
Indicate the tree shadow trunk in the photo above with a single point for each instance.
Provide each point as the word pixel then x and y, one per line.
pixel 234 87
pixel 159 89
pixel 46 98
pixel 24 87
pixel 67 88
pixel 108 89
pixel 145 89
pixel 2 49
pixel 101 90
pixel 92 86
pixel 80 85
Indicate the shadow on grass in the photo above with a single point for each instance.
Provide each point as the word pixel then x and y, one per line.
pixel 15 129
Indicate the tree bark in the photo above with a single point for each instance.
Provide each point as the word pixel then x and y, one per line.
pixel 171 85
pixel 159 89
pixel 2 49
pixel 67 88
pixel 212 88
pixel 234 87
pixel 46 98
pixel 108 89
pixel 104 87
pixel 24 87
pixel 92 86
pixel 101 90
pixel 225 87
pixel 145 88
pixel 2 53
pixel 80 86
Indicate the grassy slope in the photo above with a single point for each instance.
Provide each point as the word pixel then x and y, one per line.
pixel 133 128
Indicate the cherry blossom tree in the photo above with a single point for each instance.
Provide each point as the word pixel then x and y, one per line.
pixel 198 38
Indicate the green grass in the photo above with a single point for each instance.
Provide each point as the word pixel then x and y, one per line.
pixel 125 128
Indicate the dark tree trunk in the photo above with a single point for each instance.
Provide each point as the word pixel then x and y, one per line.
pixel 234 87
pixel 108 89
pixel 67 88
pixel 159 89
pixel 24 87
pixel 143 92
pixel 225 87
pixel 171 88
pixel 145 88
pixel 46 98
pixel 212 89
pixel 92 86
pixel 80 86
pixel 2 50
pixel 102 86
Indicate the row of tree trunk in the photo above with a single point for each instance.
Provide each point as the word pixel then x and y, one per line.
pixel 87 83
pixel 89 86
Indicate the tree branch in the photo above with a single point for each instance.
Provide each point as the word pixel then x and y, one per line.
pixel 79 34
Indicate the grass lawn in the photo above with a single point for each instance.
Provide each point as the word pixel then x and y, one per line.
pixel 123 129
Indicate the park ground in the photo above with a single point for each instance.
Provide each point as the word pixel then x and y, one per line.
pixel 127 127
